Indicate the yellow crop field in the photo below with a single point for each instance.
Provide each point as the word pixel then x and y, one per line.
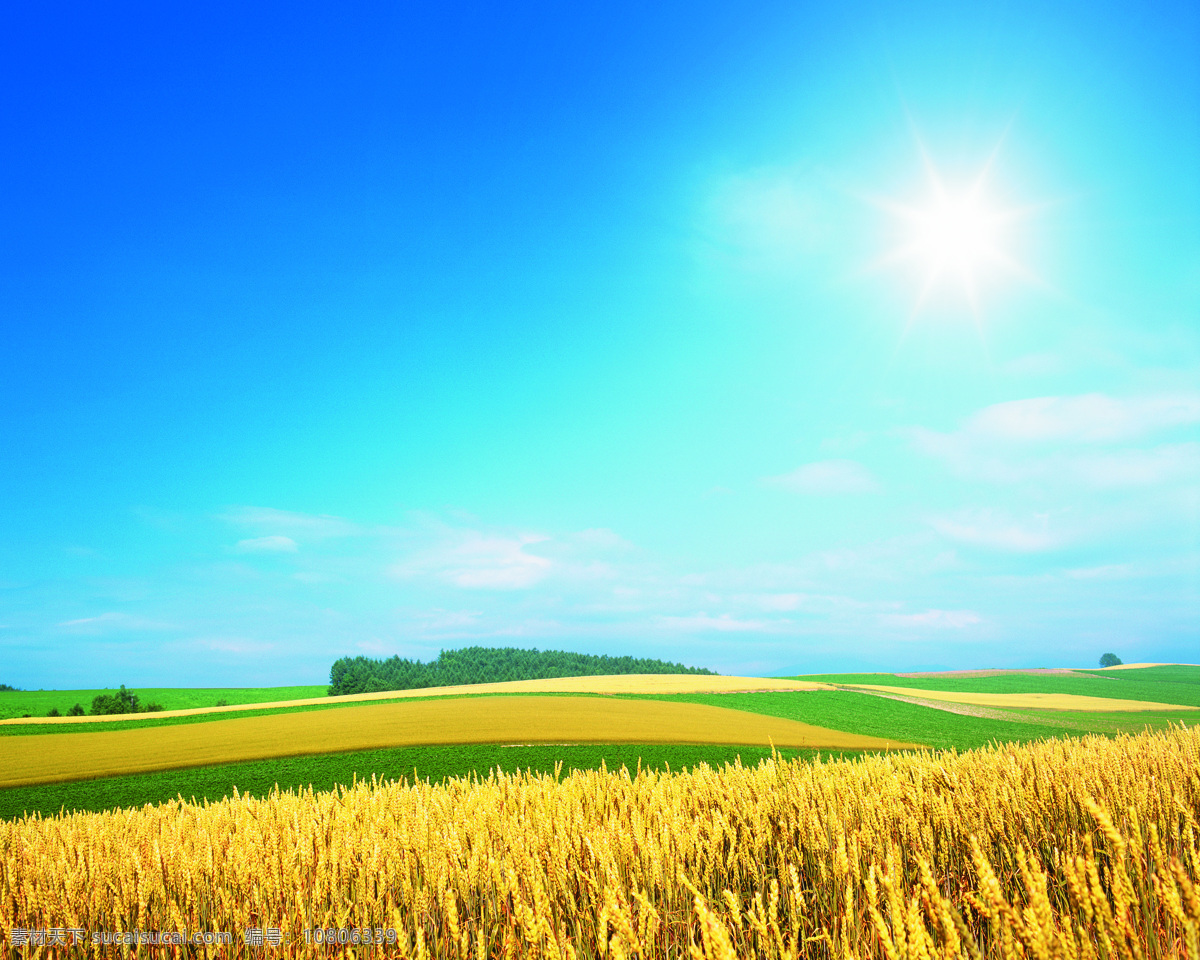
pixel 46 758
pixel 645 683
pixel 1058 849
pixel 1139 666
pixel 1025 701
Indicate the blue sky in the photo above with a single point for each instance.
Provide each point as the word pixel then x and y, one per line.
pixel 396 328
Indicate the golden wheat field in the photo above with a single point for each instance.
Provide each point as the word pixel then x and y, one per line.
pixel 48 758
pixel 1059 849
pixel 1021 701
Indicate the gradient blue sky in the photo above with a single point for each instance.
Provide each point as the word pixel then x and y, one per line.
pixel 387 328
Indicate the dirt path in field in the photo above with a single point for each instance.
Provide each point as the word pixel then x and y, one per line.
pixel 1037 671
pixel 973 674
pixel 1071 702
pixel 962 709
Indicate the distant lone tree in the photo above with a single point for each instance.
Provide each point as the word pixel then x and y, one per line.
pixel 1110 660
pixel 75 711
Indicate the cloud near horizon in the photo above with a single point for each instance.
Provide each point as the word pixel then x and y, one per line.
pixel 455 582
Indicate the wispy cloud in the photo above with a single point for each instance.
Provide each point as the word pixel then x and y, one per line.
pixel 1078 440
pixel 438 619
pixel 1164 464
pixel 993 531
pixel 724 623
pixel 826 478
pixel 780 601
pixel 603 539
pixel 275 543
pixel 1034 364
pixel 1108 571
pixel 236 646
pixel 477 560
pixel 1089 418
pixel 112 620
pixel 765 219
pixel 286 523
pixel 938 619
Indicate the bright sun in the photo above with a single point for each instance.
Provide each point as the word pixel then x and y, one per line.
pixel 957 238
pixel 957 234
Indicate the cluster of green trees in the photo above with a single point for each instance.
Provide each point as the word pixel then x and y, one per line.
pixel 75 711
pixel 123 701
pixel 484 665
pixel 5 686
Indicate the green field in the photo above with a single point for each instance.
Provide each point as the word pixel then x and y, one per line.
pixel 845 710
pixel 940 729
pixel 38 703
pixel 1172 672
pixel 325 772
pixel 880 717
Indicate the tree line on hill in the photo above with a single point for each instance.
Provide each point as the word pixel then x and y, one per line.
pixel 484 665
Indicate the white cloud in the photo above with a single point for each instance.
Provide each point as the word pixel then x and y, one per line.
pixel 313 577
pixel 1055 440
pixel 766 219
pixel 1108 571
pixel 780 601
pixel 985 529
pixel 724 623
pixel 438 619
pixel 602 538
pixel 845 444
pixel 1090 418
pixel 113 620
pixel 476 560
pixel 1034 364
pixel 237 646
pixel 275 543
pixel 938 619
pixel 1159 465
pixel 828 478
pixel 305 526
